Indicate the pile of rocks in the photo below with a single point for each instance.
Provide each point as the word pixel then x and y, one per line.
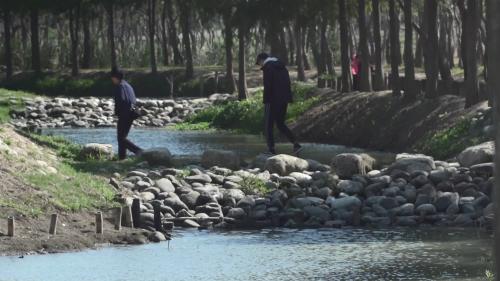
pixel 414 190
pixel 96 112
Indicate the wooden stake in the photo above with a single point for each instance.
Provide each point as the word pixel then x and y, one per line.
pixel 53 224
pixel 118 218
pixel 11 226
pixel 98 223
pixel 136 212
pixel 157 217
pixel 127 216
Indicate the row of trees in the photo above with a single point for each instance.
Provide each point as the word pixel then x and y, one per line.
pixel 138 33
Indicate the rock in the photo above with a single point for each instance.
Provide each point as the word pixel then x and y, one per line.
pixel 157 237
pixel 236 213
pixel 147 196
pixel 445 199
pixel 301 178
pixel 483 170
pixel 346 203
pixel 285 164
pixel 203 179
pixel 389 203
pixel 347 165
pixel 317 212
pixel 230 194
pixel 426 209
pixel 231 185
pixel 302 202
pixel 406 221
pixel 350 187
pixel 221 158
pixel 190 198
pixel 413 162
pixel 157 157
pixel 478 154
pixel 246 202
pixel 165 185
pixel 407 209
pixel 175 203
pixel 97 151
pixel 190 223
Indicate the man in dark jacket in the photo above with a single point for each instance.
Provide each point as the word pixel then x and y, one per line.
pixel 124 109
pixel 277 96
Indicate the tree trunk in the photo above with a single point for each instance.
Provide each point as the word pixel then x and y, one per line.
pixel 242 80
pixel 324 51
pixel 228 45
pixel 444 64
pixel 344 47
pixel 7 40
pixel 174 40
pixel 35 41
pixel 87 44
pixel 164 37
pixel 410 92
pixel 74 26
pixel 291 44
pixel 185 17
pixel 378 82
pixel 301 74
pixel 152 32
pixel 493 84
pixel 394 37
pixel 364 84
pixel 111 34
pixel 472 29
pixel 320 55
pixel 431 45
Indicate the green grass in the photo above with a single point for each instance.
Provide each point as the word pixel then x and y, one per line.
pixel 254 186
pixel 27 207
pixel 11 100
pixel 451 141
pixel 74 190
pixel 248 116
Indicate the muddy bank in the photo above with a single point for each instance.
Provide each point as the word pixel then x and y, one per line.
pixel 378 121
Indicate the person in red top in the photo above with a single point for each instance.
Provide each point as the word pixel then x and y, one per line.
pixel 355 69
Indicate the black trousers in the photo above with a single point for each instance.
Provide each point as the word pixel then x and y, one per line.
pixel 123 128
pixel 276 114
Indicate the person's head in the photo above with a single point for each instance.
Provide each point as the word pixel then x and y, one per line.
pixel 261 58
pixel 116 76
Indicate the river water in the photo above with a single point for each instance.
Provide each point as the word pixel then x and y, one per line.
pixel 189 145
pixel 279 255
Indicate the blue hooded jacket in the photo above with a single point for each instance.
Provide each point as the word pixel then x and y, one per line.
pixel 124 99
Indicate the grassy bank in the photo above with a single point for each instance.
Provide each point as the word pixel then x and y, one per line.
pixel 97 83
pixel 11 100
pixel 451 141
pixel 248 116
pixel 53 177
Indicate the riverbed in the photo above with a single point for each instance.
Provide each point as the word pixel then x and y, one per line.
pixel 279 254
pixel 190 145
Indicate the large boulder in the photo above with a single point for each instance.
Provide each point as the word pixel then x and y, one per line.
pixel 221 158
pixel 412 163
pixel 347 165
pixel 97 151
pixel 478 154
pixel 285 164
pixel 347 203
pixel 157 157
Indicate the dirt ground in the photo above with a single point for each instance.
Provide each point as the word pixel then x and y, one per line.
pixel 377 120
pixel 32 208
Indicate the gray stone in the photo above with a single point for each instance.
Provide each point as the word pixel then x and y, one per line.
pixel 191 223
pixel 317 212
pixel 407 209
pixel 346 203
pixel 246 202
pixel 426 209
pixel 478 154
pixel 203 179
pixel 221 158
pixel 236 213
pixel 190 198
pixel 285 164
pixel 301 178
pixel 413 162
pixel 350 187
pixel 347 165
pixel 157 237
pixel 445 199
pixel 230 194
pixel 389 203
pixel 147 196
pixel 157 157
pixel 97 151
pixel 165 185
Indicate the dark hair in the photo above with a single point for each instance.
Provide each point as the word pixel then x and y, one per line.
pixel 116 73
pixel 261 56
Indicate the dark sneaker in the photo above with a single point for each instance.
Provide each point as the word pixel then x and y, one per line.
pixel 297 148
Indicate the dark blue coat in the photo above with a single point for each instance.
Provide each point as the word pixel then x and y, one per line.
pixel 277 86
pixel 124 99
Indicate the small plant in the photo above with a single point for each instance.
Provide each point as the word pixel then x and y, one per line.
pixel 254 186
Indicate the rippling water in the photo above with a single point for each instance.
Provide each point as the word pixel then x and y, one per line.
pixel 328 254
pixel 190 145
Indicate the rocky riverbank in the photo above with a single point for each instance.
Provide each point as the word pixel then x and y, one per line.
pixel 291 192
pixel 99 112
